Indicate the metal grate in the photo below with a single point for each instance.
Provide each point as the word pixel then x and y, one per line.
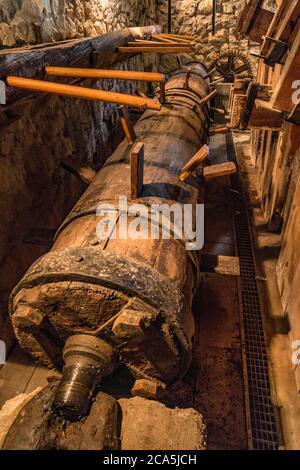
pixel 262 416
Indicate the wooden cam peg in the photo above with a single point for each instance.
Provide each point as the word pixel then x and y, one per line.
pixel 187 78
pixel 219 130
pixel 208 98
pixel 211 72
pixel 136 170
pixel 127 124
pixel 193 163
pixel 84 172
pixel 218 110
pixel 218 80
pixel 216 171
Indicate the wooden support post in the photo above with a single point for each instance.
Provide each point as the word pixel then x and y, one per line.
pixel 127 124
pixel 136 170
pixel 193 163
pixel 208 98
pixel 219 130
pixel 216 171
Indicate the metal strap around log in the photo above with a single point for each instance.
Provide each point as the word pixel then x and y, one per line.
pixel 113 271
pixel 198 113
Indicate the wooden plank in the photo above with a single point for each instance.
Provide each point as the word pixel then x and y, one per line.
pixel 136 170
pixel 249 104
pixel 282 98
pixel 193 163
pixel 238 105
pixel 157 44
pixel 127 124
pixel 254 21
pixel 159 50
pixel 283 26
pixel 216 171
pixel 265 117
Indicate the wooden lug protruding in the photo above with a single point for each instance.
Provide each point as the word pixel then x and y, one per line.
pixel 208 98
pixel 193 163
pixel 136 170
pixel 127 124
pixel 219 130
pixel 216 171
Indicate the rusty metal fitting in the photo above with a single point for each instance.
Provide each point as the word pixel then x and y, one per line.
pixel 87 360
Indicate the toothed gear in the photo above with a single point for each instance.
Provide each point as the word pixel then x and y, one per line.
pixel 232 64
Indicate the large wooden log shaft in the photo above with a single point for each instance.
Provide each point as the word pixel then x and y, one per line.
pixel 111 287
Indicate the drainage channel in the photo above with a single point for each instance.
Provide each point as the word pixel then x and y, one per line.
pixel 262 420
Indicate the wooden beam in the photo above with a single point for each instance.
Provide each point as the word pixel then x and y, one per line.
pixel 193 163
pixel 216 171
pixel 136 170
pixel 159 50
pixel 82 92
pixel 105 73
pixel 162 39
pixel 99 51
pixel 127 124
pixel 158 44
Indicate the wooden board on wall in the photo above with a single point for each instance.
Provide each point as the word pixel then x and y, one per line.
pixel 285 88
pixel 289 265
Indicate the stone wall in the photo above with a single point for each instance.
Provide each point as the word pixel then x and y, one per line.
pixel 195 17
pixel 36 21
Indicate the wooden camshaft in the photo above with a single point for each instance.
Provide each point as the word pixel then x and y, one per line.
pixel 136 295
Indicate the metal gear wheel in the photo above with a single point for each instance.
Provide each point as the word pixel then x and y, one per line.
pixel 231 64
